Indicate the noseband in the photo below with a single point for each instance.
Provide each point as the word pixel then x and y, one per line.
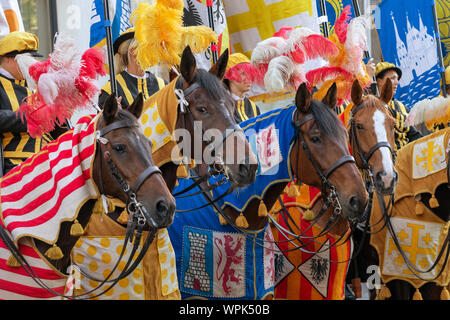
pixel 332 196
pixel 133 206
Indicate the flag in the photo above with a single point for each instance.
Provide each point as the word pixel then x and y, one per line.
pixel 407 39
pixel 334 9
pixel 443 15
pixel 195 13
pixel 119 14
pixel 10 17
pixel 252 21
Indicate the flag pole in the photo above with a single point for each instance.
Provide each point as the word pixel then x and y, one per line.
pixel 109 44
pixel 323 12
pixel 209 4
pixel 438 43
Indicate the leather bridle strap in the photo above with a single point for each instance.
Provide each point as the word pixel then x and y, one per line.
pixel 144 176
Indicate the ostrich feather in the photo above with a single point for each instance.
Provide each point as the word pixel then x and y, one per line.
pixel 278 74
pixel 198 38
pixel 430 111
pixel 24 62
pixel 341 25
pixel 267 50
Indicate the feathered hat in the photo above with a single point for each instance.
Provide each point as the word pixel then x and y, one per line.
pixel 346 66
pixel 161 36
pixel 65 81
pixel 238 64
pixel 280 58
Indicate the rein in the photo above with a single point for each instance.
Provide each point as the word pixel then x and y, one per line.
pixel 138 216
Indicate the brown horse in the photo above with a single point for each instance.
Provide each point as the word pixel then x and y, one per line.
pixel 316 152
pixel 196 103
pixel 371 137
pixel 122 167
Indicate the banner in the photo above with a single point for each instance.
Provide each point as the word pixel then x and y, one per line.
pixel 10 17
pixel 252 21
pixel 407 39
pixel 196 14
pixel 119 13
pixel 333 10
pixel 443 15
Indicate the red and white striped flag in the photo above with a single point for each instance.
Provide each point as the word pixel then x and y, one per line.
pixel 50 186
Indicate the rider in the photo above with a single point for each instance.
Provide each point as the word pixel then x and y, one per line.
pixel 403 133
pixel 238 79
pixel 18 145
pixel 131 79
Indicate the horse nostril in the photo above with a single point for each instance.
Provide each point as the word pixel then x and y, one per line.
pixel 355 204
pixel 162 207
pixel 243 170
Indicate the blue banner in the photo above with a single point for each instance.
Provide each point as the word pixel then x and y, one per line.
pixel 407 38
pixel 120 20
pixel 334 9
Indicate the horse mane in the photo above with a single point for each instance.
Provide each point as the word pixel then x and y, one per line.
pixel 326 118
pixel 213 86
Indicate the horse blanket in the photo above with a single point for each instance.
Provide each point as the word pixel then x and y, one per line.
pixel 36 197
pixel 315 275
pixel 422 167
pixel 221 262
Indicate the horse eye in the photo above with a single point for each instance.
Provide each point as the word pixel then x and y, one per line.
pixel 315 139
pixel 120 148
pixel 202 109
pixel 359 126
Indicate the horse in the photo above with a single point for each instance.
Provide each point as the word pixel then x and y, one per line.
pixel 194 104
pixel 421 206
pixel 371 139
pixel 105 154
pixel 223 243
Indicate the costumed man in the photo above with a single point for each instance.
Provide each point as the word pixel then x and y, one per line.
pixel 131 79
pixel 18 145
pixel 238 78
pixel 403 132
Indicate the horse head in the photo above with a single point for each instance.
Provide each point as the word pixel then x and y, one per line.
pixel 208 105
pixel 322 159
pixel 124 167
pixel 372 136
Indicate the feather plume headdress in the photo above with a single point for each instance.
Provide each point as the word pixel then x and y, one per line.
pixel 431 112
pixel 280 58
pixel 161 36
pixel 350 38
pixel 65 81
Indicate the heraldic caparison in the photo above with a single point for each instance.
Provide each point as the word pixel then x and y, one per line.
pixel 422 167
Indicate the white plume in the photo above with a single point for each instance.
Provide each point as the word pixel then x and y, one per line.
pixel 279 71
pixel 267 50
pixel 25 61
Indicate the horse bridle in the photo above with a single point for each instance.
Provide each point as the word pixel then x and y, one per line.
pixel 134 207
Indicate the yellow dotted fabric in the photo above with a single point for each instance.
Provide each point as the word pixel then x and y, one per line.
pixel 169 281
pixel 154 128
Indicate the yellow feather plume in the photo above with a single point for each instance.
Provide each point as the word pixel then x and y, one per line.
pixel 174 4
pixel 198 38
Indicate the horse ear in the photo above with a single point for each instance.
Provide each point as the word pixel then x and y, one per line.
pixel 188 65
pixel 137 106
pixel 303 98
pixel 330 98
pixel 387 92
pixel 220 67
pixel 357 93
pixel 110 109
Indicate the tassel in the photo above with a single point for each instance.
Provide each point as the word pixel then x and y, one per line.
pixel 111 206
pixel 98 207
pixel 12 262
pixel 420 210
pixel 241 221
pixel 76 229
pixel 293 191
pixel 417 295
pixel 384 293
pixel 182 172
pixel 445 294
pixel 262 210
pixel 54 253
pixel 222 220
pixel 308 215
pixel 123 218
pixel 434 202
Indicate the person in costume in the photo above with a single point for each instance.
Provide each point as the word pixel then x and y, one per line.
pixel 17 144
pixel 131 79
pixel 403 132
pixel 447 80
pixel 239 77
